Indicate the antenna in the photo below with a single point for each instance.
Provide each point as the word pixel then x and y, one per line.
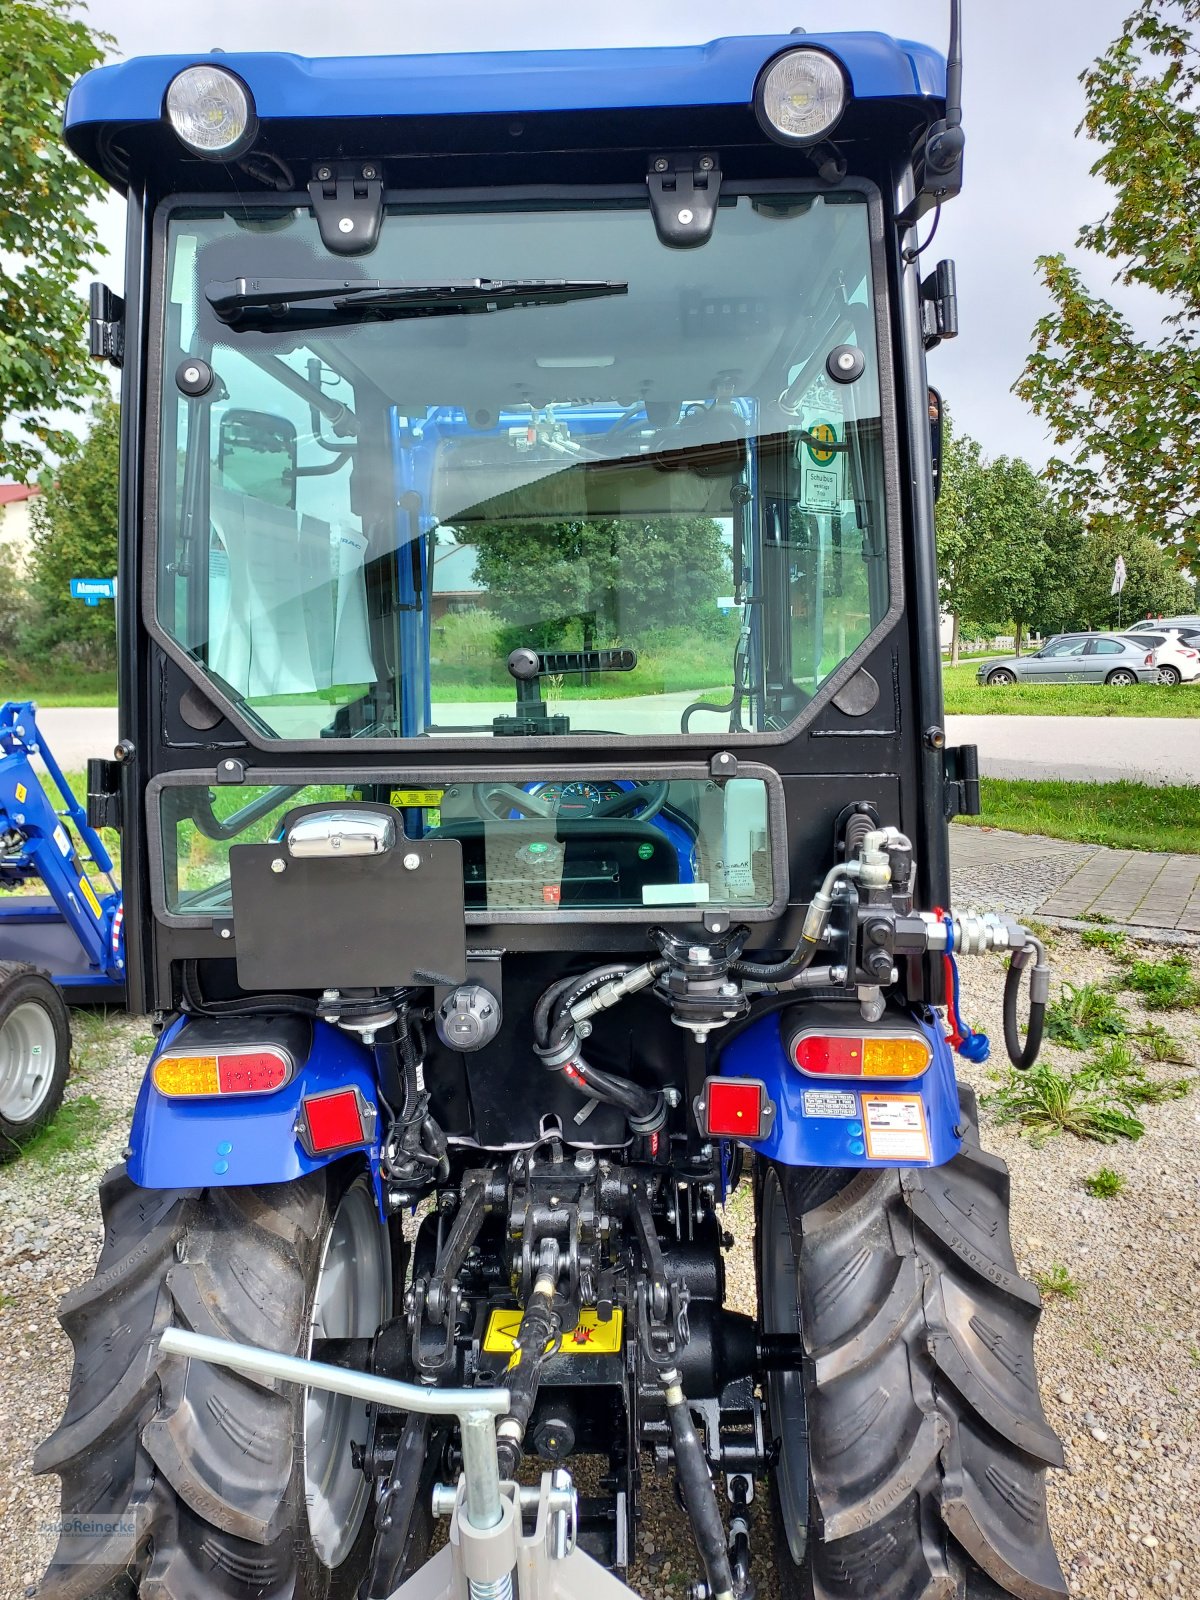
pixel 954 67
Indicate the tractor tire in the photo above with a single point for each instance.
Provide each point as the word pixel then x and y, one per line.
pixel 35 1053
pixel 191 1480
pixel 916 1448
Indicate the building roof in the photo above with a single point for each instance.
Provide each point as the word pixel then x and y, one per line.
pixel 13 493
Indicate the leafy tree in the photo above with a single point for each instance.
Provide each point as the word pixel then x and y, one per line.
pixel 1127 410
pixel 594 583
pixel 1006 567
pixel 47 239
pixel 960 525
pixel 1056 605
pixel 75 536
pixel 1153 583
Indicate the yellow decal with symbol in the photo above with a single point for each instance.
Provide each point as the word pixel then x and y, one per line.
pixel 21 793
pixel 416 797
pixel 89 894
pixel 822 433
pixel 590 1337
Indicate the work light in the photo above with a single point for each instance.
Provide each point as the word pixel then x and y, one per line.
pixel 800 96
pixel 212 112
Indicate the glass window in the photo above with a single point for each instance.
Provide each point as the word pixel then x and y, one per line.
pixel 1108 647
pixel 569 844
pixel 1063 647
pixel 636 466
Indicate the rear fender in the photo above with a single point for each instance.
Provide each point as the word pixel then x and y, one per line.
pixel 830 1122
pixel 231 1140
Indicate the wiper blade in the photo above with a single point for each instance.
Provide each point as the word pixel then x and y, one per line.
pixel 261 304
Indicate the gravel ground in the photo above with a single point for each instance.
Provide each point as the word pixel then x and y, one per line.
pixel 1120 1363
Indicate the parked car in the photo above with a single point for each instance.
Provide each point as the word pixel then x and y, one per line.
pixel 1157 624
pixel 1177 656
pixel 1077 658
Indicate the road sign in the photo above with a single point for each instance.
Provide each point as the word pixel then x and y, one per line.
pixel 93 590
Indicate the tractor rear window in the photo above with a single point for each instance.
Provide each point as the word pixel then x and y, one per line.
pixel 625 497
pixel 551 846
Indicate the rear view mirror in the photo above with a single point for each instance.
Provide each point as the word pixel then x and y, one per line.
pixel 935 439
pixel 256 456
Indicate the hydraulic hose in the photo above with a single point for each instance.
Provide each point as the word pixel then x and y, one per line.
pixel 557 1042
pixel 810 935
pixel 698 1493
pixel 1023 1056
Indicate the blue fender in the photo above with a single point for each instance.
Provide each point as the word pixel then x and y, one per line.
pixel 229 1140
pixel 824 1122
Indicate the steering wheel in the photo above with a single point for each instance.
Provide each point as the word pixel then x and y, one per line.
pixel 651 796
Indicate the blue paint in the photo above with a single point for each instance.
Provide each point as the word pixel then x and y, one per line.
pixel 171 1139
pixel 721 73
pixel 798 1140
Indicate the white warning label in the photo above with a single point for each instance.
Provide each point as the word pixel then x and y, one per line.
pixel 830 1103
pixel 895 1127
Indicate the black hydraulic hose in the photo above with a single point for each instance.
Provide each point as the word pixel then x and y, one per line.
pixel 1022 1056
pixel 776 971
pixel 698 1493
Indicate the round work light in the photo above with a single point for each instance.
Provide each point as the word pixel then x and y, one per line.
pixel 212 112
pixel 800 96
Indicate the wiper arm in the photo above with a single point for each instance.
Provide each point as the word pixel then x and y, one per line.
pixel 261 304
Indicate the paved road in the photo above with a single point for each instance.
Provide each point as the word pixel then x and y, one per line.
pixel 1081 749
pixel 1084 749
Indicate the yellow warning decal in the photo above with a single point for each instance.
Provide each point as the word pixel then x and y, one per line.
pixel 417 797
pixel 89 894
pixel 21 792
pixel 590 1337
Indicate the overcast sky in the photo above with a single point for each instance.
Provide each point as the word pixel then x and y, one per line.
pixel 1028 188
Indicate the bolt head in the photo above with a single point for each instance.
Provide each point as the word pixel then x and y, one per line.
pixel 278 864
pixel 706 163
pixel 412 861
pixel 345 224
pixel 370 172
pixel 686 217
pixel 226 934
pixel 192 374
pixel 324 174
pixel 660 165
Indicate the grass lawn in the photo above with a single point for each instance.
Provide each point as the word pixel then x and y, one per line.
pixel 1128 816
pixel 66 688
pixel 965 697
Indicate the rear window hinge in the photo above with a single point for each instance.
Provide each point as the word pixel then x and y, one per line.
pixel 347 201
pixel 684 190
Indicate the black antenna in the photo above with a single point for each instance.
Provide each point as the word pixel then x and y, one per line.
pixel 954 67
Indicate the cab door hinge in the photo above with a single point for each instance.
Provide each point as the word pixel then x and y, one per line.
pixel 962 781
pixel 684 190
pixel 939 304
pixel 347 200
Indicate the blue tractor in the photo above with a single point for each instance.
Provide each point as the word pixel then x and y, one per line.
pixel 533 792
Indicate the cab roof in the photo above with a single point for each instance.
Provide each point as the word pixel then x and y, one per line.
pixel 290 87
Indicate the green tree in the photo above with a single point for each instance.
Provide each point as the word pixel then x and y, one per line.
pixel 47 239
pixel 1127 410
pixel 1056 605
pixel 587 583
pixel 1007 564
pixel 1153 584
pixel 960 525
pixel 75 536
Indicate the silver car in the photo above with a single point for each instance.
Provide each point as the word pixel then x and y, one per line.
pixel 1077 658
pixel 1157 624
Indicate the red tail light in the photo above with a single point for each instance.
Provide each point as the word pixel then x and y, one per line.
pixel 1149 661
pixel 340 1119
pixel 856 1055
pixel 735 1108
pixel 206 1072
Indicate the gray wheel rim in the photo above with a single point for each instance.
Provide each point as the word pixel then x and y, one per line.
pixel 350 1302
pixel 1001 678
pixel 28 1056
pixel 1122 679
pixel 1169 676
pixel 780 1312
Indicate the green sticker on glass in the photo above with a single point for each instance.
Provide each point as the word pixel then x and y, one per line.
pixel 645 851
pixel 538 848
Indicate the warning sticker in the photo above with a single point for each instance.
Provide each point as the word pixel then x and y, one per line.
pixel 416 797
pixel 89 894
pixel 590 1336
pixel 895 1127
pixel 830 1103
pixel 22 793
pixel 62 841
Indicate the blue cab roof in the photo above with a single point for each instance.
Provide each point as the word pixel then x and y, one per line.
pixel 720 73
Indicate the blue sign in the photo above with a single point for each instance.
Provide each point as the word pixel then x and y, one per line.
pixel 93 590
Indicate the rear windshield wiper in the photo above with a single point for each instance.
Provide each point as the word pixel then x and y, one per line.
pixel 268 303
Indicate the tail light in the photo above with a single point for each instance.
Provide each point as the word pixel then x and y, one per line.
pixel 256 1070
pixel 856 1055
pixel 339 1119
pixel 1149 661
pixel 735 1108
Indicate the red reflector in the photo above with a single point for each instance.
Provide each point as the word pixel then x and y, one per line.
pixel 250 1071
pixel 735 1108
pixel 833 1054
pixel 336 1121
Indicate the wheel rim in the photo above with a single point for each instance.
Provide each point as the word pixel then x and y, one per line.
pixel 785 1390
pixel 1001 678
pixel 1169 676
pixel 1122 679
pixel 350 1302
pixel 28 1055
